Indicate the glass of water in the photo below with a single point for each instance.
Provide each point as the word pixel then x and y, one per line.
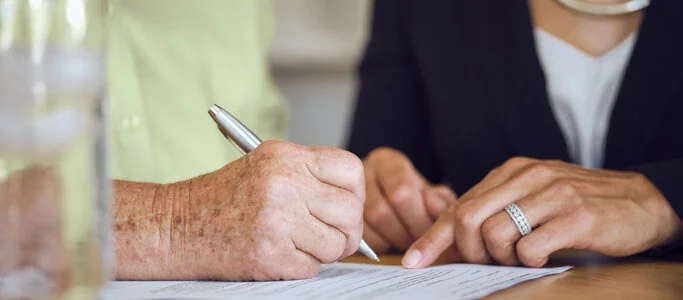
pixel 54 194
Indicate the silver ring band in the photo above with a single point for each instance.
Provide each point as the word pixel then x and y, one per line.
pixel 518 217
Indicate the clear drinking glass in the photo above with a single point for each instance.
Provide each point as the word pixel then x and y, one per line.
pixel 54 195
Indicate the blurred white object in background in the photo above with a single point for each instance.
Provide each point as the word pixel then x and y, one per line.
pixel 28 128
pixel 54 196
pixel 318 35
pixel 317 45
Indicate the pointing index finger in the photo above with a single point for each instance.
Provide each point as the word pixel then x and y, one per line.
pixel 429 247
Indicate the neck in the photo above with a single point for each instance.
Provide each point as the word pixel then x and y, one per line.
pixel 595 35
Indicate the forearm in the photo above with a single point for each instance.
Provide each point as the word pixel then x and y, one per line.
pixel 146 227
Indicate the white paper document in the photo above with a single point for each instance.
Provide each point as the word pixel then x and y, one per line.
pixel 346 281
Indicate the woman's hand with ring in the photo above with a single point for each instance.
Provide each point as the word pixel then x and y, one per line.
pixel 569 207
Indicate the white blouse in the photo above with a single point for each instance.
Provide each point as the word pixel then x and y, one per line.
pixel 582 90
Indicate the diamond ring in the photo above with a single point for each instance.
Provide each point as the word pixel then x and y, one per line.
pixel 518 217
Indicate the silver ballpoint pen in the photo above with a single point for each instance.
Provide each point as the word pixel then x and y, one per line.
pixel 246 141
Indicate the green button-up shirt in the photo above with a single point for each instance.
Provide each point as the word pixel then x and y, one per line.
pixel 168 62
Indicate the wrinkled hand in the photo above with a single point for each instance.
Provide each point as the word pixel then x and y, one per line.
pixel 614 213
pixel 277 213
pixel 401 205
pixel 31 246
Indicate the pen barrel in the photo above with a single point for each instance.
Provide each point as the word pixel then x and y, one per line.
pixel 241 149
pixel 238 134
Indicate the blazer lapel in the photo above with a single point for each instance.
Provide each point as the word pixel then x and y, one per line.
pixel 651 79
pixel 522 107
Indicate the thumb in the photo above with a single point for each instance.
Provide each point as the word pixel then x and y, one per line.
pixel 437 199
pixel 429 247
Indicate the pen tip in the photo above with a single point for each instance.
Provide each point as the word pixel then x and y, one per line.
pixel 214 110
pixel 365 249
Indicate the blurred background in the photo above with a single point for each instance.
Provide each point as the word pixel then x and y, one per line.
pixel 316 49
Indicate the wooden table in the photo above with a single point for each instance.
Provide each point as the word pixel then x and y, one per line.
pixel 594 277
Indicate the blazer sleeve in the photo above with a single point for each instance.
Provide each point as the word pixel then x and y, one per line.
pixel 391 108
pixel 668 178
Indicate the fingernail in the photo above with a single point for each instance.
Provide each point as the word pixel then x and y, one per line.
pixel 411 259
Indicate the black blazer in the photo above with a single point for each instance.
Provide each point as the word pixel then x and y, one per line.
pixel 458 87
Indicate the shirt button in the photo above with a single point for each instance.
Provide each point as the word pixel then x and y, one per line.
pixel 134 121
pixel 125 123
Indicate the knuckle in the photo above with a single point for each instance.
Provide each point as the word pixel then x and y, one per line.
pixel 578 203
pixel 354 163
pixel 387 158
pixel 271 222
pixel 339 249
pixel 273 147
pixel 377 212
pixel 353 222
pixel 383 152
pixel 334 250
pixel 274 150
pixel 517 161
pixel 358 172
pixel 345 158
pixel 356 217
pixel 350 246
pixel 565 188
pixel 402 193
pixel 526 251
pixel 349 166
pixel 465 217
pixel 539 170
pixel 492 233
pixel 476 256
pixel 358 234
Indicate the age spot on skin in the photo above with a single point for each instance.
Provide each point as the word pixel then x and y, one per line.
pixel 131 224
